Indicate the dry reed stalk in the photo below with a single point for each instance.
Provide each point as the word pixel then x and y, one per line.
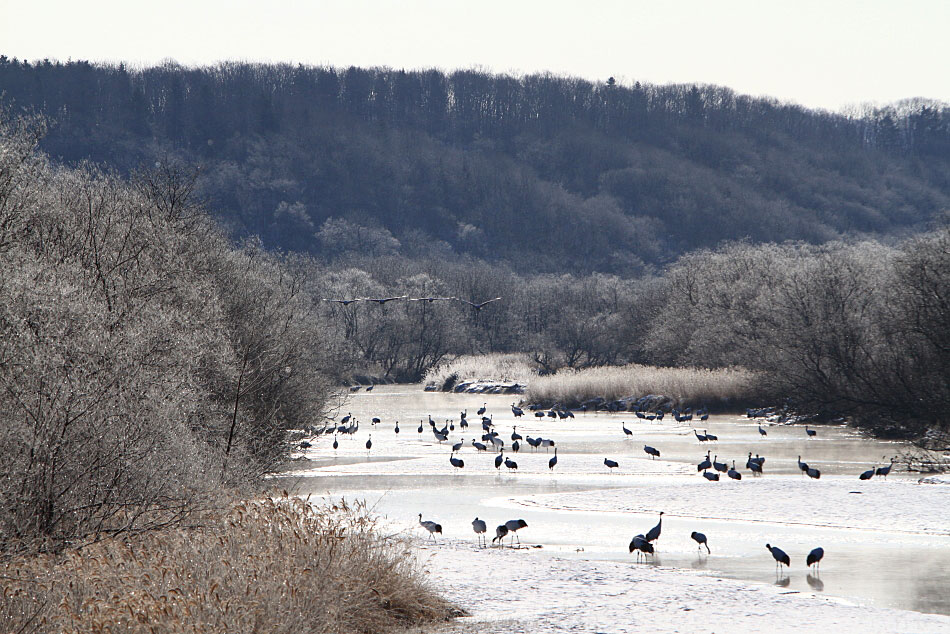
pixel 487 367
pixel 686 386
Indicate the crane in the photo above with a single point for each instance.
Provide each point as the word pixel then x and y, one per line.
pixel 430 526
pixel 641 545
pixel 883 471
pixel 500 532
pixel 779 556
pixel 514 526
pixel 553 461
pixel 654 533
pixel 705 464
pixel 700 539
pixel 479 527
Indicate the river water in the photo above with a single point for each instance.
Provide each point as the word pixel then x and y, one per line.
pixel 886 541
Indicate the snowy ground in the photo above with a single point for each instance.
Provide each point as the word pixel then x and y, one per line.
pixel 509 591
pixel 887 542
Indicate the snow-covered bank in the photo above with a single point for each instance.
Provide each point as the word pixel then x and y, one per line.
pixel 528 591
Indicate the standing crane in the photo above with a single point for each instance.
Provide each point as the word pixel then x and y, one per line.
pixel 779 556
pixel 479 527
pixel 700 539
pixel 430 526
pixel 814 557
pixel 883 471
pixel 654 533
pixel 553 461
pixel 513 527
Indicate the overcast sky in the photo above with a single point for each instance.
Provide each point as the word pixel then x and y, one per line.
pixel 819 53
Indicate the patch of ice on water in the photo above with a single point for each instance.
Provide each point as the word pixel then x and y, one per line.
pixel 525 591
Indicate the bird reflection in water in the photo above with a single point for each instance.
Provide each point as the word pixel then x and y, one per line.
pixel 783 582
pixel 700 563
pixel 815 582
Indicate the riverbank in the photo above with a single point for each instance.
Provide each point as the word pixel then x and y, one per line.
pixel 275 565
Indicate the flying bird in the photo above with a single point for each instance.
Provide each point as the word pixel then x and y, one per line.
pixel 479 305
pixel 429 299
pixel 383 300
pixel 344 302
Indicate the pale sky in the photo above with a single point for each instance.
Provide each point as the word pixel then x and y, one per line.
pixel 819 53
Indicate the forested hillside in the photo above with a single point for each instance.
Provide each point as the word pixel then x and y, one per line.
pixel 540 173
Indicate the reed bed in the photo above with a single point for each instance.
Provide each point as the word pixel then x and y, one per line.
pixel 687 387
pixel 276 566
pixel 510 367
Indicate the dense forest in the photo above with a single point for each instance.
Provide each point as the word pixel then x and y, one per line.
pixel 542 173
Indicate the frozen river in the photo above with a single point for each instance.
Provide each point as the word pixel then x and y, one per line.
pixel 887 542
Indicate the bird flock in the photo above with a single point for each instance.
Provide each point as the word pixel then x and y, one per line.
pixel 382 301
pixel 643 545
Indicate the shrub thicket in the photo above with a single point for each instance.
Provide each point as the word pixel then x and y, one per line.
pixel 144 361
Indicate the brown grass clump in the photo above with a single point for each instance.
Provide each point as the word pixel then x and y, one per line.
pixel 686 386
pixel 486 367
pixel 265 566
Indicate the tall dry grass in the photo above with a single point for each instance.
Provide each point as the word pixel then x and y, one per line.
pixel 264 566
pixel 686 386
pixel 508 367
